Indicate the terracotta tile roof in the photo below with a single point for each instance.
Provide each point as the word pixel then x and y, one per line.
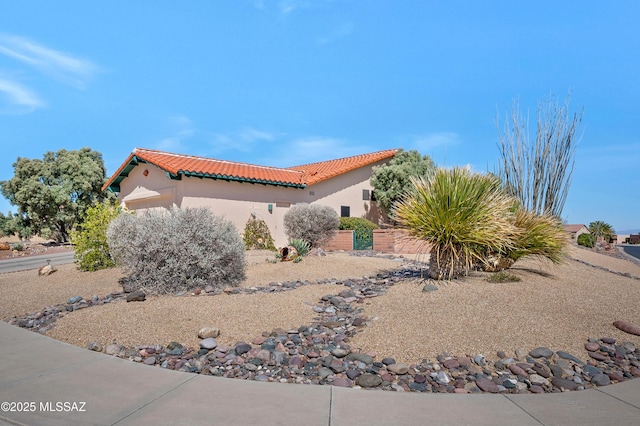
pixel 317 172
pixel 178 165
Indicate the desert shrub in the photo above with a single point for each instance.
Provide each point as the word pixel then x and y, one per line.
pixel 257 235
pixel 471 221
pixel 360 225
pixel 177 250
pixel 538 235
pixel 17 246
pixel 91 251
pixel 463 215
pixel 313 223
pixel 301 246
pixel 586 240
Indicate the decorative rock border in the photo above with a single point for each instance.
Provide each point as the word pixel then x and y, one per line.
pixel 319 353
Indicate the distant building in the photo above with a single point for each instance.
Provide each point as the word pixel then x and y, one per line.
pixel 621 239
pixel 634 239
pixel 576 230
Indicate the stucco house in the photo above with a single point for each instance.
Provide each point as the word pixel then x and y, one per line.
pixel 151 179
pixel 576 230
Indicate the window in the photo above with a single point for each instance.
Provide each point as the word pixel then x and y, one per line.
pixel 365 195
pixel 345 211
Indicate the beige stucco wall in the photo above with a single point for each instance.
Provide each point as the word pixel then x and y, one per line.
pixel 236 201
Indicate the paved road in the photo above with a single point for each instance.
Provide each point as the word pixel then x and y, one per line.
pixel 34 262
pixel 632 250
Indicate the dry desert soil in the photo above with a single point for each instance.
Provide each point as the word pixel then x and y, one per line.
pixel 558 307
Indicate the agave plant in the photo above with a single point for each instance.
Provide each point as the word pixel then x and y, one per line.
pixel 301 246
pixel 462 215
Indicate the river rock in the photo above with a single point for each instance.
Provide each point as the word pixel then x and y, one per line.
pixel 241 348
pixel 487 385
pixel 564 383
pixel 369 380
pixel 364 358
pixel 518 371
pixel 341 382
pixel 566 355
pixel 136 296
pixel 398 368
pixel 591 346
pixel 112 349
pixel 95 346
pixel 537 379
pixel 74 299
pixel 428 288
pixel 601 380
pixel 209 343
pixel 541 352
pixel 627 327
pixel 206 332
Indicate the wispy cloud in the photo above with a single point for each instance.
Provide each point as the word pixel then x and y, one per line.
pixel 288 6
pixel 283 150
pixel 182 129
pixel 312 149
pixel 339 32
pixel 59 65
pixel 243 140
pixel 431 141
pixel 19 98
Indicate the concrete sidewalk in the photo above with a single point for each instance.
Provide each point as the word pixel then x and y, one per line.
pixel 62 384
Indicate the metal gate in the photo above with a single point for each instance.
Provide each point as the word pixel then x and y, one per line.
pixel 363 240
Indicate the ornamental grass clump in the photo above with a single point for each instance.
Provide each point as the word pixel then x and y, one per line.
pixel 461 214
pixel 176 251
pixel 471 221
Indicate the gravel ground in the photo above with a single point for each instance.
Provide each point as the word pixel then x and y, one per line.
pixel 558 307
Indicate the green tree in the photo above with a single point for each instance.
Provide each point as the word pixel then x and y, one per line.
pixel 539 173
pixel 391 180
pixel 602 229
pixel 14 224
pixel 90 242
pixel 4 225
pixel 54 193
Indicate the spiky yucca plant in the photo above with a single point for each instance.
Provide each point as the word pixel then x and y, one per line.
pixel 462 215
pixel 538 235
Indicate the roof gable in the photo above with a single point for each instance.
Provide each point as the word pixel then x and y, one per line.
pixel 178 165
pixel 318 172
pixel 574 228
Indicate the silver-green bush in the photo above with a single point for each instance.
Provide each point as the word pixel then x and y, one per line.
pixel 313 223
pixel 177 250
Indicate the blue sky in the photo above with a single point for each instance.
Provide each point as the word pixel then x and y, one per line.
pixel 285 83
